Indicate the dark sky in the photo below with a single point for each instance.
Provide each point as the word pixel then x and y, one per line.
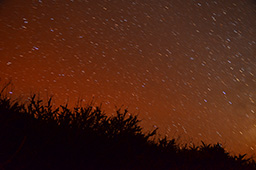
pixel 187 67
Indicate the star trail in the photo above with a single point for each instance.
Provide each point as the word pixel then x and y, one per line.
pixel 187 67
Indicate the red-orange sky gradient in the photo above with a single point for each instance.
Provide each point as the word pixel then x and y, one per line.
pixel 187 67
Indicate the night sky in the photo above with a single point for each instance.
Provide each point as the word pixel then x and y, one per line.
pixel 187 67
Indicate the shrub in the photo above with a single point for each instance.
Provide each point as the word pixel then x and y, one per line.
pixel 38 136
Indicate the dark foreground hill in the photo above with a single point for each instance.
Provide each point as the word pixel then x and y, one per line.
pixel 36 136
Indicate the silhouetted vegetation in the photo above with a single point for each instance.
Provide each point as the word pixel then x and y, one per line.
pixel 37 136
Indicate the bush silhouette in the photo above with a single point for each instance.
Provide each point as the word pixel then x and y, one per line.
pixel 38 136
